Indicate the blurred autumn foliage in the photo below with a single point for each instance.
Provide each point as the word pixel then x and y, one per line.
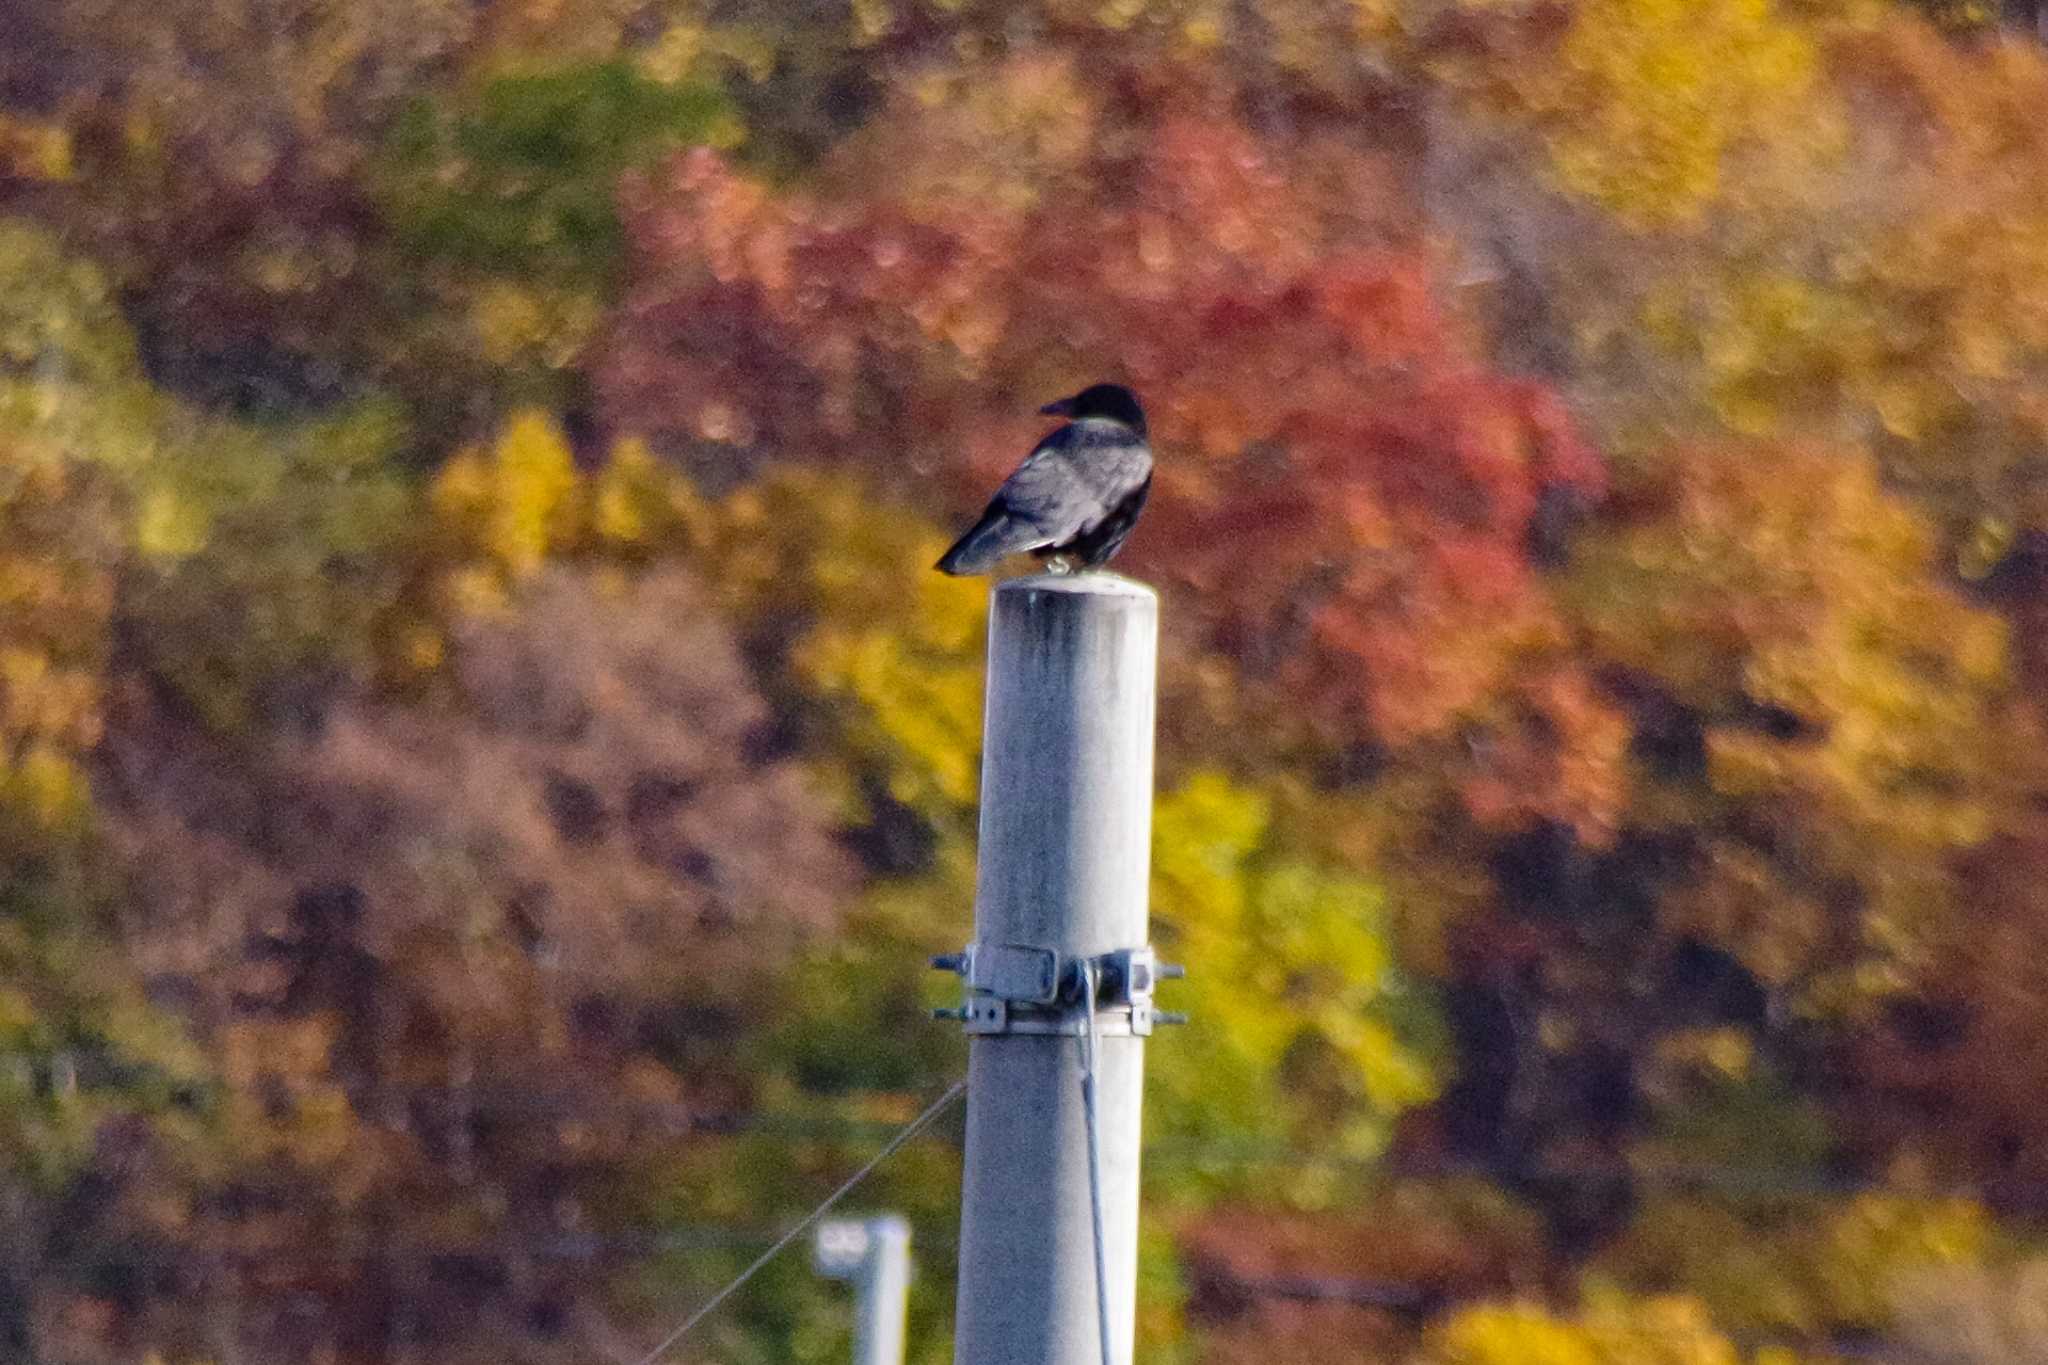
pixel 484 757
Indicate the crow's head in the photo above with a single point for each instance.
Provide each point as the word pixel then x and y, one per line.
pixel 1111 401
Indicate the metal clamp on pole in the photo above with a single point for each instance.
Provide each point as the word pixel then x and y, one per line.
pixel 1018 988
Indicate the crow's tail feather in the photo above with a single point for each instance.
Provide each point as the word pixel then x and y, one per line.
pixel 997 534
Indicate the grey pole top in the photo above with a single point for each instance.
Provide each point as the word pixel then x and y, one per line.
pixel 1066 809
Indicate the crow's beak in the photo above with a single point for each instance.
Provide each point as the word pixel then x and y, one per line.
pixel 1063 408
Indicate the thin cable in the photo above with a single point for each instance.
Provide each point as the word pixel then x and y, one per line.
pixel 1089 1043
pixel 909 1131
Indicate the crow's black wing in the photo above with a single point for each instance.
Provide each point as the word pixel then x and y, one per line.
pixel 1113 460
pixel 1021 516
pixel 1052 489
pixel 1066 486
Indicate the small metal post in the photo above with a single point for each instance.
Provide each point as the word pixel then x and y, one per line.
pixel 873 1253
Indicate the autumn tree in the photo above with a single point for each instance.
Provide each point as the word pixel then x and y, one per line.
pixel 1852 260
pixel 498 203
pixel 91 1068
pixel 258 179
pixel 1611 1329
pixel 1835 1266
pixel 210 154
pixel 477 969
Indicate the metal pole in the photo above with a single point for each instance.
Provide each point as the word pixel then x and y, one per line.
pixel 875 1254
pixel 884 1295
pixel 1066 823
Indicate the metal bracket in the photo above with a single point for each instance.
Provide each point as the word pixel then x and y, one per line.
pixel 1024 989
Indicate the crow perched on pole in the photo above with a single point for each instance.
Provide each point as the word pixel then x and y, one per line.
pixel 1077 495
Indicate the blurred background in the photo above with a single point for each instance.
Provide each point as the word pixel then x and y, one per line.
pixel 483 755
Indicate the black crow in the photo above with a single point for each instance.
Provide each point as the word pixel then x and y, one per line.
pixel 1078 494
